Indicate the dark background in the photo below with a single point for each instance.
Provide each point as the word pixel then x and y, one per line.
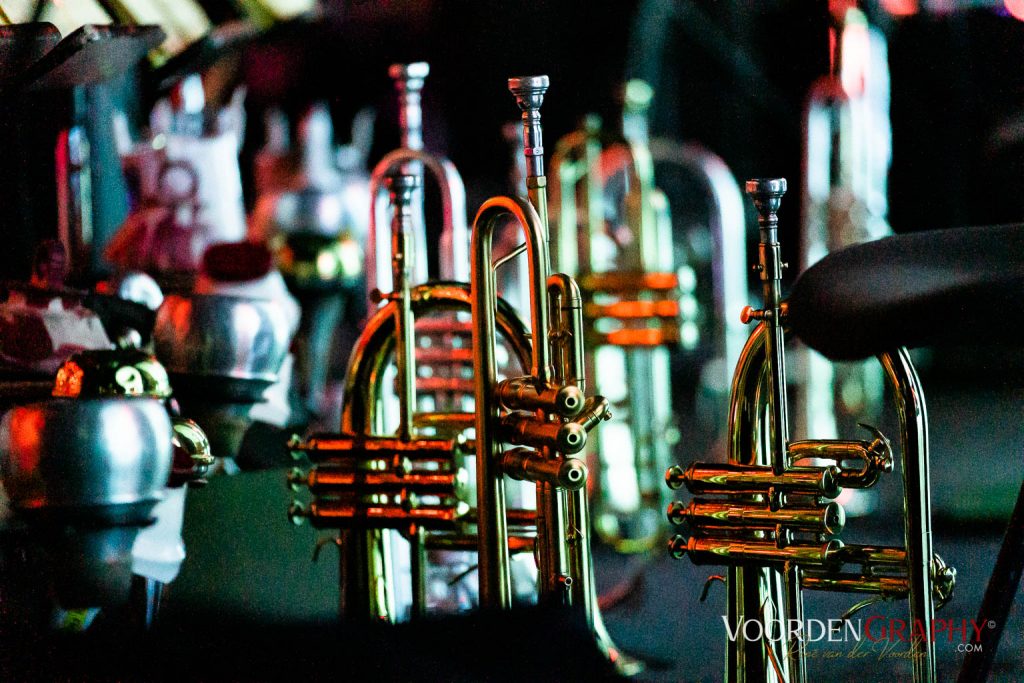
pixel 731 75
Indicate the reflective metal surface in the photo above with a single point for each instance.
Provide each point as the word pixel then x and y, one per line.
pixel 655 306
pixel 193 456
pixel 222 336
pixel 540 420
pixel 140 288
pixel 85 452
pixel 771 521
pixel 410 158
pixel 113 372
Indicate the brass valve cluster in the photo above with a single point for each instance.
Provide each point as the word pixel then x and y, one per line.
pixel 381 482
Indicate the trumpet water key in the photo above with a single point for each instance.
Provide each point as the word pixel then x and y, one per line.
pixel 768 513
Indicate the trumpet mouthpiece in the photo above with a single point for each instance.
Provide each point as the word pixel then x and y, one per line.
pixel 767 188
pixel 402 181
pixel 767 195
pixel 529 91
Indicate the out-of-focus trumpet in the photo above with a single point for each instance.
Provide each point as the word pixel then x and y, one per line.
pixel 614 230
pixel 453 258
pixel 441 341
pixel 847 150
pixel 768 514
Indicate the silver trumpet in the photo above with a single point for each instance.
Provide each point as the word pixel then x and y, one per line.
pixel 412 160
pixel 313 209
pixel 846 156
pixel 443 382
pixel 614 230
pixel 769 513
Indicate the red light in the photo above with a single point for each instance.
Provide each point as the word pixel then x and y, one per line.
pixel 1015 8
pixel 900 8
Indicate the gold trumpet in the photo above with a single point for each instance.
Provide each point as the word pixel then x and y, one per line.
pixel 369 481
pixel 399 462
pixel 544 414
pixel 632 318
pixel 768 514
pixel 376 477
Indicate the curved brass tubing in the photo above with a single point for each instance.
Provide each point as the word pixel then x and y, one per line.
pixel 769 518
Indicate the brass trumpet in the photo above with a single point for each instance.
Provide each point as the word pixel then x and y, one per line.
pixel 399 461
pixel 369 480
pixel 545 413
pixel 375 476
pixel 641 299
pixel 768 513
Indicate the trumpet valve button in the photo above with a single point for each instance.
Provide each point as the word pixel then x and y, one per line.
pixel 677 546
pixel 676 512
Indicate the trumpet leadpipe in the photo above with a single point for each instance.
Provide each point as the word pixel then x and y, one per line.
pixel 708 478
pixel 827 519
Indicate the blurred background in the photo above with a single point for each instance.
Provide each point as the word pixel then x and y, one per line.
pixel 733 77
